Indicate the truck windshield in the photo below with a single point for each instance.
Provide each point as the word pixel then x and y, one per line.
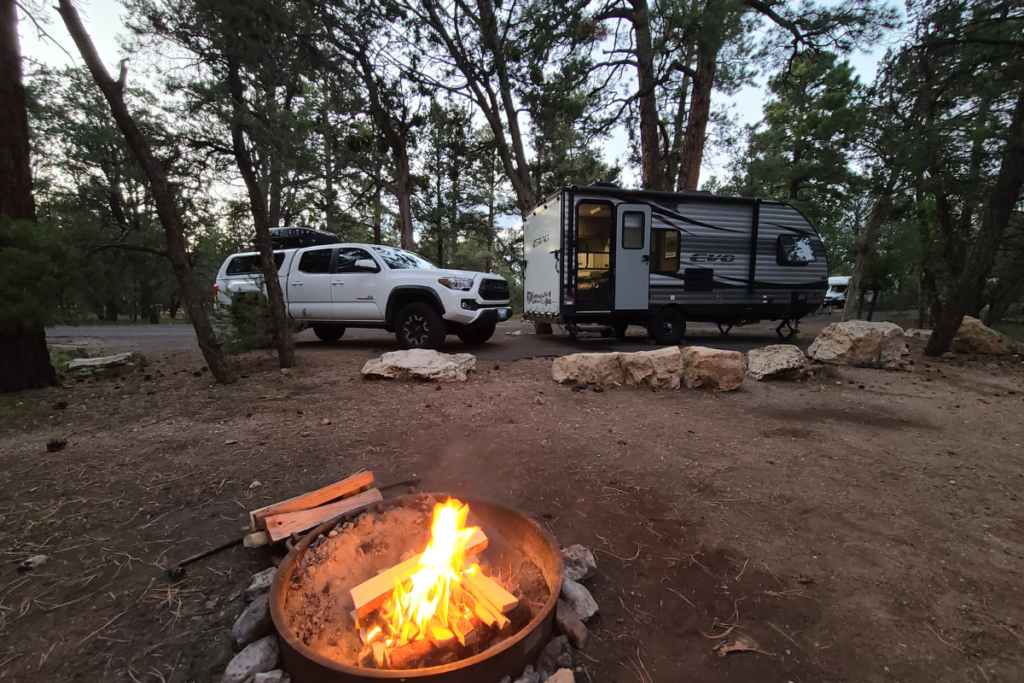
pixel 400 259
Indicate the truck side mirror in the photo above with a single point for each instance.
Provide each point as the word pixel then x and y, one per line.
pixel 366 264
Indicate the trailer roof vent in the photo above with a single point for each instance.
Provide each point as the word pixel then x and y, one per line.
pixel 602 183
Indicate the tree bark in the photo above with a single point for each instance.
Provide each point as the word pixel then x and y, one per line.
pixel 865 246
pixel 697 122
pixel 279 325
pixel 174 230
pixel 24 356
pixel 652 168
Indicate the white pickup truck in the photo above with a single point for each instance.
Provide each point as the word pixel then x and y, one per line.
pixel 337 286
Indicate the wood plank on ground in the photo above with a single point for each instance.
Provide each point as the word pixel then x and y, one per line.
pixel 282 526
pixel 371 594
pixel 338 489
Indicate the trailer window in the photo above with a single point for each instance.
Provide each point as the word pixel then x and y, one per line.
pixel 664 251
pixel 632 230
pixel 794 250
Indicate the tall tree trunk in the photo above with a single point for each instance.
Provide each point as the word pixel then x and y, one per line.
pixel 999 208
pixel 378 206
pixel 652 168
pixel 403 194
pixel 174 230
pixel 279 325
pixel 865 246
pixel 24 356
pixel 700 114
pixel 489 261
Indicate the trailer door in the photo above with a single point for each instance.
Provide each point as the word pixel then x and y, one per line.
pixel 632 257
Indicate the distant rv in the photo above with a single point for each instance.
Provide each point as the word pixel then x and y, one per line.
pixel 604 255
pixel 836 293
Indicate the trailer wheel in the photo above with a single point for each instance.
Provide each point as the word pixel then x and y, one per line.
pixel 667 327
pixel 328 333
pixel 418 326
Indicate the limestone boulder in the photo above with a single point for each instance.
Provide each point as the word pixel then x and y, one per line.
pixel 658 369
pixel 118 365
pixel 705 368
pixel 579 562
pixel 259 657
pixel 421 364
pixel 917 333
pixel 778 361
pixel 860 343
pixel 579 599
pixel 977 338
pixel 591 368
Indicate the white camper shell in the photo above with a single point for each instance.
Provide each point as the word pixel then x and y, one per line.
pixel 604 255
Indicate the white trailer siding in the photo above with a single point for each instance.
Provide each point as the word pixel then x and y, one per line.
pixel 542 236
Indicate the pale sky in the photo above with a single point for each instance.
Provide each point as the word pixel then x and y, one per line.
pixel 105 21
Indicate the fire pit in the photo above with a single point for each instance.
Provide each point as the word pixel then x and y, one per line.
pixel 499 645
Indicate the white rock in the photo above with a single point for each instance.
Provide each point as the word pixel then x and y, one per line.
pixel 592 368
pixel 579 562
pixel 562 676
pixel 858 342
pixel 421 364
pixel 275 676
pixel 260 584
pixel 716 369
pixel 100 363
pixel 977 338
pixel 258 657
pixel 253 623
pixel 659 369
pixel 256 483
pixel 580 599
pixel 529 676
pixel 33 563
pixel 778 361
pixel 917 333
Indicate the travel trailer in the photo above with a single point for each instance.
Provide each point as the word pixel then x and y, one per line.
pixel 603 255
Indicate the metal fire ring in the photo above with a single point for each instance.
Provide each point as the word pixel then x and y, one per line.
pixel 507 658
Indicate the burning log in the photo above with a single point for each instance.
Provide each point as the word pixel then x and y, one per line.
pixel 371 594
pixel 438 634
pixel 484 588
pixel 465 632
pixel 412 655
pixel 483 610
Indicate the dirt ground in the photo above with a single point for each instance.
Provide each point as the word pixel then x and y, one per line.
pixel 865 526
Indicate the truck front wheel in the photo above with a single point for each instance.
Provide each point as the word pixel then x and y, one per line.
pixel 476 334
pixel 328 333
pixel 418 326
pixel 667 327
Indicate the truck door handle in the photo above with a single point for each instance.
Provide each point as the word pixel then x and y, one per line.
pixel 296 284
pixel 338 282
pixel 646 259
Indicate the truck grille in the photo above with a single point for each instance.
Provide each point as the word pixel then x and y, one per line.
pixel 494 290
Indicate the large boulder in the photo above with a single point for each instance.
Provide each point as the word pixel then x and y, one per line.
pixel 977 338
pixel 592 368
pixel 424 364
pixel 118 365
pixel 659 369
pixel 713 368
pixel 858 342
pixel 778 361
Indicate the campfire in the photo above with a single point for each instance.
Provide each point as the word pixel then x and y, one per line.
pixel 404 587
pixel 432 600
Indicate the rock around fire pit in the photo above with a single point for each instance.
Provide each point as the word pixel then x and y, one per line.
pixel 312 598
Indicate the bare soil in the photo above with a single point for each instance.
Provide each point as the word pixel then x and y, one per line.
pixel 859 526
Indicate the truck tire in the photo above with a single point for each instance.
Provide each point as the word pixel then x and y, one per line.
pixel 327 332
pixel 418 326
pixel 476 334
pixel 667 327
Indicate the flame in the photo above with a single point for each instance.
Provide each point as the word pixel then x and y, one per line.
pixel 409 611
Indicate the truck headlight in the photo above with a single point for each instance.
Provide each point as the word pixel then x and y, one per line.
pixel 463 283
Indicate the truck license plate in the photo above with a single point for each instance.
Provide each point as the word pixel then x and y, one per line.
pixel 502 314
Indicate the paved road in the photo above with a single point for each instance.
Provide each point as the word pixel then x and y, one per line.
pixel 504 346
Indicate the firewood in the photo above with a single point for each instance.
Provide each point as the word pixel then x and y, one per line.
pixel 256 539
pixel 438 634
pixel 462 627
pixel 411 655
pixel 380 657
pixel 284 525
pixel 340 489
pixel 483 610
pixel 372 593
pixel 486 589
